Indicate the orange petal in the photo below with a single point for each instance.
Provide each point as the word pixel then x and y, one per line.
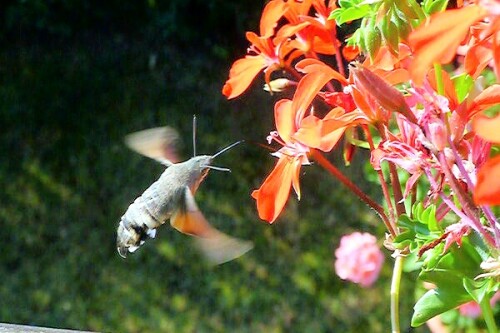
pixel 242 74
pixel 309 133
pixel 307 89
pixel 295 178
pixel 350 52
pixel 289 30
pixel 310 65
pixel 273 11
pixel 317 75
pixel 395 76
pixel 449 88
pixel 487 190
pixel 437 41
pixel 477 58
pixel 284 117
pixel 487 98
pixel 496 53
pixel 324 134
pixel 487 128
pixel 273 194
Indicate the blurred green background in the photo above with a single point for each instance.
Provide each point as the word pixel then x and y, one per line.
pixel 75 77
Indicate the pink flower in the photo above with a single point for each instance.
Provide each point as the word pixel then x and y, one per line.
pixel 358 258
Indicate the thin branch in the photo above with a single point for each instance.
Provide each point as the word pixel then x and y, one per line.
pixel 325 163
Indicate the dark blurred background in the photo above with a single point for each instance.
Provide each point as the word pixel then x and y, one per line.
pixel 75 77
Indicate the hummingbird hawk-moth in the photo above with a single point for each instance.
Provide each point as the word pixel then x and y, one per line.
pixel 172 197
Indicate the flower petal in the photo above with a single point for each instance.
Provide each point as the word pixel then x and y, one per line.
pixel 487 98
pixel 477 58
pixel 271 14
pixel 295 178
pixel 487 190
pixel 273 194
pixel 487 128
pixel 438 40
pixel 242 74
pixel 284 117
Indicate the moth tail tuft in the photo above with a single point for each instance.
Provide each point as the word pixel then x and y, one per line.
pixel 130 237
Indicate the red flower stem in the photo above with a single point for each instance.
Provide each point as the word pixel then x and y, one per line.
pixel 293 72
pixel 383 183
pixel 395 183
pixel 466 202
pixel 441 211
pixel 325 163
pixel 338 56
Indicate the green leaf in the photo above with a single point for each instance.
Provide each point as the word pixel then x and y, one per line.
pixel 439 300
pixel 351 14
pixel 390 33
pixel 477 289
pixel 463 84
pixel 453 275
pixel 347 3
pixel 437 6
pixel 372 41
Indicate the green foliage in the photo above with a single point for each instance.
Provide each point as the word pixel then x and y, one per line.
pixel 448 273
pixel 417 231
pixel 452 273
pixel 351 10
pixel 434 6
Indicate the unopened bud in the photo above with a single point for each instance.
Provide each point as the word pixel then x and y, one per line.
pixel 437 132
pixel 279 85
pixel 386 95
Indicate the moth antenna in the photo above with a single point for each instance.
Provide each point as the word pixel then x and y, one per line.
pixel 194 135
pixel 218 168
pixel 227 148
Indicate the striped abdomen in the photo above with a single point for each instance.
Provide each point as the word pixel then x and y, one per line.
pixel 143 216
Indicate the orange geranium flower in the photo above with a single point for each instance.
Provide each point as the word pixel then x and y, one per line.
pixel 297 132
pixel 316 34
pixel 438 39
pixel 265 53
pixel 273 194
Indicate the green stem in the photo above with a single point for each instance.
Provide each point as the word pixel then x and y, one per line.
pixel 395 286
pixel 488 315
pixel 438 72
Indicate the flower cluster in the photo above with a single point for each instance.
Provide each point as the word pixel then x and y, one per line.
pixel 415 118
pixel 358 258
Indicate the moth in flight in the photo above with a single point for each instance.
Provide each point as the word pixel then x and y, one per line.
pixel 172 197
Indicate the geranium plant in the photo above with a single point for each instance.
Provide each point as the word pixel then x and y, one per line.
pixel 415 83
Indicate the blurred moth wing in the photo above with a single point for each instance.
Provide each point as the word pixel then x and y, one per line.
pixel 159 143
pixel 216 246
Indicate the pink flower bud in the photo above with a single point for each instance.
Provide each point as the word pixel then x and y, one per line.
pixel 437 131
pixel 359 259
